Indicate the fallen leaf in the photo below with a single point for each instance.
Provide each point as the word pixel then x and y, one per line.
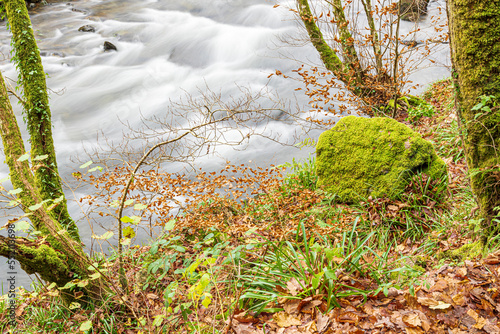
pixel 293 286
pixel 284 319
pixel 439 286
pixel 412 320
pixel 410 330
pixel 480 321
pixel 433 304
pixel 291 306
pixel 322 322
pixel 459 299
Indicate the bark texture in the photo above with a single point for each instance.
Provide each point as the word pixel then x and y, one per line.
pixel 56 256
pixel 475 48
pixel 36 106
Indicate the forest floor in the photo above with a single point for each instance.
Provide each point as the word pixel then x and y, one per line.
pixel 294 260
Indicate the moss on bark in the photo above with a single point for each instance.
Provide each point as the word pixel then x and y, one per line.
pixel 38 115
pixel 475 43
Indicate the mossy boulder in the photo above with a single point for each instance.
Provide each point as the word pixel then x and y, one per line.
pixel 361 157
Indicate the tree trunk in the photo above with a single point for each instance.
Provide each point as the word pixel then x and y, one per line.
pixel 36 106
pixel 56 256
pixel 475 49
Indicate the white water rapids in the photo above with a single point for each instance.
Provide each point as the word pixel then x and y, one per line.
pixel 165 48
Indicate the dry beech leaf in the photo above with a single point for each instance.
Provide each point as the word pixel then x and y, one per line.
pixel 439 286
pixel 293 286
pixel 459 299
pixel 322 322
pixel 462 271
pixel 152 296
pixel 310 327
pixel 433 304
pixel 310 305
pixel 410 330
pixel 412 320
pixel 493 258
pixel 284 319
pixel 291 306
pixel 480 321
pixel 491 329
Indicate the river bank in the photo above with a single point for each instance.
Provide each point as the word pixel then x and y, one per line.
pixel 293 260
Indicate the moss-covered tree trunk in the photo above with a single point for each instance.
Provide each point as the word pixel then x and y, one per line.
pixel 37 110
pixel 475 49
pixel 56 254
pixel 56 257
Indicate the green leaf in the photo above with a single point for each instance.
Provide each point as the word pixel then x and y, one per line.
pixel 170 225
pixel 74 305
pixel 125 241
pixel 22 226
pixel 24 157
pixel 126 219
pixel 140 206
pixel 68 285
pixel 158 320
pixel 15 191
pixel 83 283
pixel 85 326
pixel 128 202
pixel 105 236
pixel 131 220
pixel 41 157
pixel 35 207
pixel 93 266
pixel 4 179
pixel 14 203
pixel 128 232
pixel 95 276
pixel 99 168
pixel 179 248
pixel 59 199
pixel 206 301
pixel 85 165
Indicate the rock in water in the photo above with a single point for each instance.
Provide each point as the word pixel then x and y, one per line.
pixel 361 157
pixel 108 46
pixel 86 28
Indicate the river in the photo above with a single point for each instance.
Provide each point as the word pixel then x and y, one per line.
pixel 166 48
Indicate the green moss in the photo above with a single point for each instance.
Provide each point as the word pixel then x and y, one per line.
pixel 36 105
pixel 466 252
pixel 376 157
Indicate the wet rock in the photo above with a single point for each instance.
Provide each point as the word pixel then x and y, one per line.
pixel 83 11
pixel 51 54
pixel 108 46
pixel 86 28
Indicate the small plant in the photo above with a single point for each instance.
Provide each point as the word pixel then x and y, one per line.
pixel 415 113
pixel 302 173
pixel 448 142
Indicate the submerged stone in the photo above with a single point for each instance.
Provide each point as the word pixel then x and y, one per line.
pixel 86 28
pixel 361 157
pixel 108 46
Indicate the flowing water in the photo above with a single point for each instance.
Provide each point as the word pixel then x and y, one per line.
pixel 165 49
